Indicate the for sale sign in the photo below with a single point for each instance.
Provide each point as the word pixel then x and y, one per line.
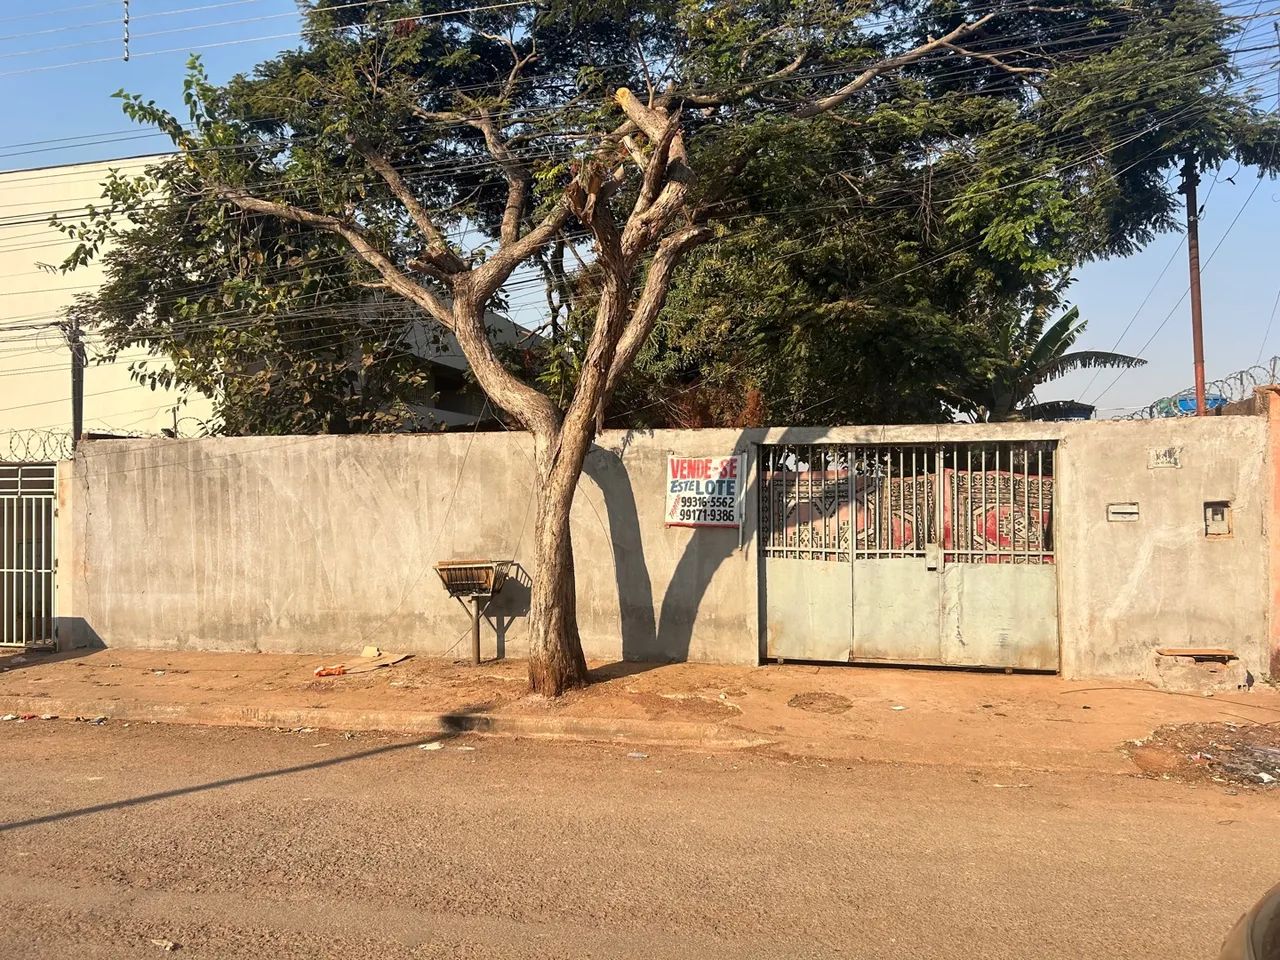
pixel 705 491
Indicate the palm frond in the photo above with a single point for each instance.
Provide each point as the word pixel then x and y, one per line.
pixel 1086 360
pixel 1058 338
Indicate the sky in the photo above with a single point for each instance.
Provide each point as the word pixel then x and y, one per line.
pixel 60 61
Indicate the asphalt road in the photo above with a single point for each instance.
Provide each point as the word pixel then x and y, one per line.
pixel 255 844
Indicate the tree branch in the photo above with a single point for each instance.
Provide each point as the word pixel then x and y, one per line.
pixel 515 172
pixel 439 253
pixel 518 62
pixel 994 60
pixel 667 176
pixel 359 241
pixel 748 89
pixel 653 297
pixel 831 101
pixel 492 274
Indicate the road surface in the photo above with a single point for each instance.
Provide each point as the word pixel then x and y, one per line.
pixel 118 840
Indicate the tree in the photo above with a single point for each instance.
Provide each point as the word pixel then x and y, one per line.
pixel 877 290
pixel 446 149
pixel 266 318
pixel 1029 356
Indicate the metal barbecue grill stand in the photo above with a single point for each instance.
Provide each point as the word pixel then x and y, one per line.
pixel 477 580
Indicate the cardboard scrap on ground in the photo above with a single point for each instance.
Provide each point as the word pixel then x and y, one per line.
pixel 371 659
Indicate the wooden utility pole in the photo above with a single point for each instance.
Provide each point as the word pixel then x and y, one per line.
pixel 1190 179
pixel 76 342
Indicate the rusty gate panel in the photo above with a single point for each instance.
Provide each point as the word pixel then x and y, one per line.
pixel 895 553
pixel 995 615
pixel 999 577
pixel 806 532
pixel 949 552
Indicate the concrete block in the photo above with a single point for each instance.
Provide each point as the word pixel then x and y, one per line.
pixel 1187 675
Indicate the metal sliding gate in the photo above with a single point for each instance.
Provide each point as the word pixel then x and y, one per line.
pixel 910 553
pixel 28 497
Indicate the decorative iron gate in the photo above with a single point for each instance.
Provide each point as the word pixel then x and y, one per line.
pixel 28 497
pixel 919 553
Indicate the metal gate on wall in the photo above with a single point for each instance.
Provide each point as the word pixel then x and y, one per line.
pixel 28 498
pixel 910 553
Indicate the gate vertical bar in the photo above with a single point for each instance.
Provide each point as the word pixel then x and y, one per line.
pixel 791 464
pixel 5 536
pixel 968 495
pixel 898 509
pixel 767 488
pixel 915 498
pixel 23 566
pixel 42 630
pixel 999 559
pixel 1026 503
pixel 44 580
pixel 983 468
pixel 954 515
pixel 884 466
pixel 50 608
pixel 937 535
pixel 1040 530
pixel 813 522
pixel 32 572
pixel 849 452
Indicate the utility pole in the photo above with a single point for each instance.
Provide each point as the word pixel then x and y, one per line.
pixel 1190 178
pixel 76 342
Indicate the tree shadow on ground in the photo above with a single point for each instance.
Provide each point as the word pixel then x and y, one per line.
pixel 23 659
pixel 455 724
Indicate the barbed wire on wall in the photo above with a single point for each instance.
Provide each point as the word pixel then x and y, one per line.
pixel 38 445
pixel 35 446
pixel 1236 386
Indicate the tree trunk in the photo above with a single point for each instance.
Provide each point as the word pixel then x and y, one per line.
pixel 556 663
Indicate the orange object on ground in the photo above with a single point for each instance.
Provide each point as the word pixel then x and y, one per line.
pixel 336 670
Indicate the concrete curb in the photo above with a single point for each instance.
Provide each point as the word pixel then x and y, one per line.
pixel 659 732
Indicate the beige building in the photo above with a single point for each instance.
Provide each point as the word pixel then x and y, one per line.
pixel 35 361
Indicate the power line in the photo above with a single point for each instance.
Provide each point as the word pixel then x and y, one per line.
pixel 1267 333
pixel 747 215
pixel 477 162
pixel 276 36
pixel 58 12
pixel 1170 314
pixel 381 23
pixel 740 365
pixel 115 21
pixel 971 67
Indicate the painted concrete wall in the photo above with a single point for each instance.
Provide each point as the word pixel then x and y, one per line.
pixel 326 543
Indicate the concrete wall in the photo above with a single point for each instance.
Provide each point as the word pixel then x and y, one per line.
pixel 1129 588
pixel 327 543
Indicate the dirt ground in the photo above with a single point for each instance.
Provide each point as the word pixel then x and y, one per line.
pixel 237 844
pixel 836 712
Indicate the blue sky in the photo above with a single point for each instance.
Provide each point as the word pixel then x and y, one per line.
pixel 56 94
